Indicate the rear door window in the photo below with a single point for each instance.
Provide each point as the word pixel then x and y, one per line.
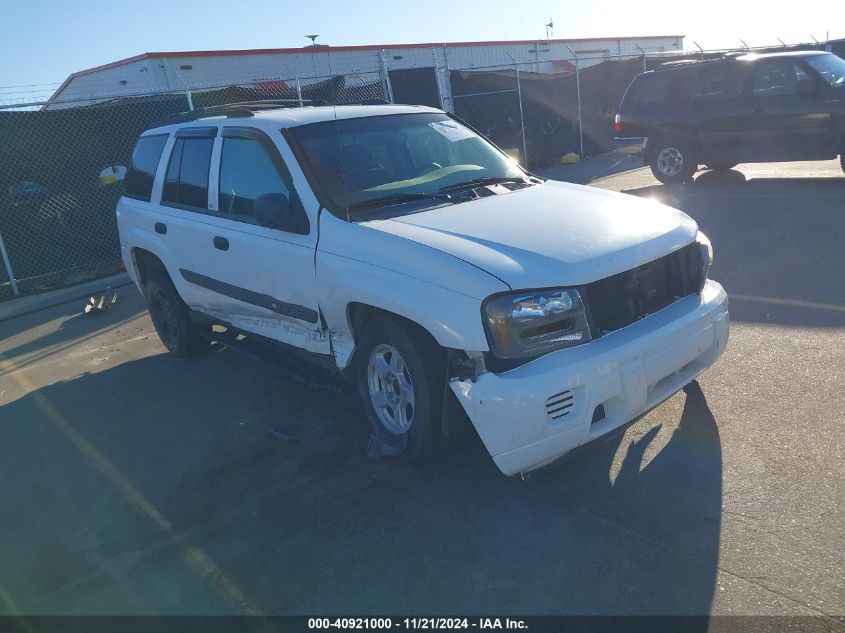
pixel 186 182
pixel 142 170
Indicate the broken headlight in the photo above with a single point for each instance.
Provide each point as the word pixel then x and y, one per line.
pixel 535 322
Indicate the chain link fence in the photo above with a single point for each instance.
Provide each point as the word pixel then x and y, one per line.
pixel 62 167
pixel 62 162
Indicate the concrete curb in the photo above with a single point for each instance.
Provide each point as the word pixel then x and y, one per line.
pixel 20 306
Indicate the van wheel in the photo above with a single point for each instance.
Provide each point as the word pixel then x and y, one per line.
pixel 169 315
pixel 721 166
pixel 400 380
pixel 673 160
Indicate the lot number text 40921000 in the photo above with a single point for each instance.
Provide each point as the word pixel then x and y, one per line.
pixel 417 623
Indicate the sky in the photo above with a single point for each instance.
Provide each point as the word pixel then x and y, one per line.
pixel 43 41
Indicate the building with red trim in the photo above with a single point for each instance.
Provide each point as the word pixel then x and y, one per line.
pixel 151 73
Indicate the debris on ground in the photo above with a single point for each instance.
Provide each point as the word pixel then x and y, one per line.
pixel 100 303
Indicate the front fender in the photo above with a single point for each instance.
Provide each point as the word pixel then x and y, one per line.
pixel 453 319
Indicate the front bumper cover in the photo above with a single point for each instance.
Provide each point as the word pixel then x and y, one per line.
pixel 627 372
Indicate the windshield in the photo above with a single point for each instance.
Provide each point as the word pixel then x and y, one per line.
pixel 359 162
pixel 830 67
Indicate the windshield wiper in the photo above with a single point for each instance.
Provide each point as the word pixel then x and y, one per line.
pixel 485 180
pixel 396 199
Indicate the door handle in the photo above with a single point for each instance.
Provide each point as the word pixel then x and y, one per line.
pixel 221 243
pixel 161 228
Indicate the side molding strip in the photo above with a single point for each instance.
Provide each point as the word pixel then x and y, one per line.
pixel 248 296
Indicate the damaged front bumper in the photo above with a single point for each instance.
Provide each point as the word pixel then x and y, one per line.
pixel 529 416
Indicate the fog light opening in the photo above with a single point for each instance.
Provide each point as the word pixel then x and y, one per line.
pixel 598 414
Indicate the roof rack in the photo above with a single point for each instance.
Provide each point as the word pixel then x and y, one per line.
pixel 236 110
pixel 243 109
pixel 722 57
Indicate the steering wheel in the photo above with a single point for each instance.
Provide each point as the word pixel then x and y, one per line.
pixel 426 168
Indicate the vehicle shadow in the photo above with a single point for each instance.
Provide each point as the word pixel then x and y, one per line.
pixel 778 243
pixel 309 525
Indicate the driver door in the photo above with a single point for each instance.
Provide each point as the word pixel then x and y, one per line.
pixel 261 278
pixel 786 124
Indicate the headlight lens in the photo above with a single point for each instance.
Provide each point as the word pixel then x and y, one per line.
pixel 535 322
pixel 706 249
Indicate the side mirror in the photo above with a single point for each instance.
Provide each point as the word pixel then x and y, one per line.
pixel 806 87
pixel 275 211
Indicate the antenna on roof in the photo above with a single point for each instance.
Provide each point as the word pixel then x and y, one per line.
pixel 550 29
pixel 743 43
pixel 781 41
pixel 313 39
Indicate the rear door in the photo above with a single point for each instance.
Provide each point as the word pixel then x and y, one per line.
pixel 719 106
pixel 784 124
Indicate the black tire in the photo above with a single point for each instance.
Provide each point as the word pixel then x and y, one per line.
pixel 677 165
pixel 425 365
pixel 169 315
pixel 842 161
pixel 721 166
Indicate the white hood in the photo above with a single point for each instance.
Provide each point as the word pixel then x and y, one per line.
pixel 554 234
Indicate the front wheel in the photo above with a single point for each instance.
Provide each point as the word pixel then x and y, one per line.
pixel 673 161
pixel 400 379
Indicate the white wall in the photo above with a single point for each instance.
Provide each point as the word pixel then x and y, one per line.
pixel 153 75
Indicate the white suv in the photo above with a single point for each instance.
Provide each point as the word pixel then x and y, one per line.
pixel 397 249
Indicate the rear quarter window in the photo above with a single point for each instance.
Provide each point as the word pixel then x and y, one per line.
pixel 718 81
pixel 142 170
pixel 657 89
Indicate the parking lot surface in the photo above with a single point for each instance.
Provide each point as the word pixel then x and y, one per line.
pixel 134 482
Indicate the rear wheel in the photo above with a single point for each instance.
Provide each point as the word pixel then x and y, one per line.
pixel 400 381
pixel 673 161
pixel 169 315
pixel 721 166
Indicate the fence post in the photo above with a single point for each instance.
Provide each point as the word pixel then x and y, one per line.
pixel 298 84
pixel 521 116
pixel 8 264
pixel 386 88
pixel 299 92
pixel 578 91
pixel 187 90
pixel 645 62
pixel 448 101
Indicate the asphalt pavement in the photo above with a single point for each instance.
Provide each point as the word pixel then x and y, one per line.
pixel 132 482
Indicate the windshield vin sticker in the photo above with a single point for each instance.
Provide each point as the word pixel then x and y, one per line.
pixel 451 130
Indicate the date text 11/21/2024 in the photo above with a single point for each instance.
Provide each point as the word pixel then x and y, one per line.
pixel 431 623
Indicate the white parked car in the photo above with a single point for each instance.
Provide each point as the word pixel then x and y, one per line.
pixel 396 248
